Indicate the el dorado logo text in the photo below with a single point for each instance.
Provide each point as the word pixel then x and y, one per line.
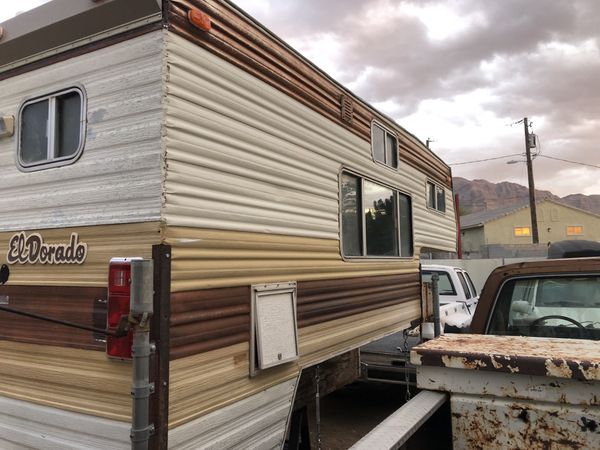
pixel 32 249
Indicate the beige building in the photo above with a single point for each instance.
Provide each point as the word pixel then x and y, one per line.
pixel 510 228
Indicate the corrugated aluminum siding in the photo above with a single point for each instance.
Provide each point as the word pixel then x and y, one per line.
pixel 258 421
pixel 208 319
pixel 244 156
pixel 205 382
pixel 204 259
pixel 83 381
pixel 27 425
pixel 243 42
pixel 118 177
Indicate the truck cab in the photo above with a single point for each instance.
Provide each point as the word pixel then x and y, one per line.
pixel 557 298
pixel 454 284
pixel 457 293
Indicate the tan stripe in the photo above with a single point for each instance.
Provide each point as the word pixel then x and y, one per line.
pixel 104 242
pixel 205 382
pixel 205 259
pixel 83 381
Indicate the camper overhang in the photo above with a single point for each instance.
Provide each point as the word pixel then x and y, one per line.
pixel 60 25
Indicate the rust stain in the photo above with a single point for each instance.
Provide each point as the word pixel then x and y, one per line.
pixel 588 425
pixel 560 358
pixel 484 424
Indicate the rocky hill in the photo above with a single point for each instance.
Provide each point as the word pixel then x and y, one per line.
pixel 481 195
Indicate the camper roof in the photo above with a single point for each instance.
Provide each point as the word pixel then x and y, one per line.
pixel 62 24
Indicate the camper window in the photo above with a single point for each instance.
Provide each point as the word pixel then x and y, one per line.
pixel 51 130
pixel 376 220
pixel 384 145
pixel 436 197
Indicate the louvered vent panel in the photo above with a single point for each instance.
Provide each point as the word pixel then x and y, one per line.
pixel 347 109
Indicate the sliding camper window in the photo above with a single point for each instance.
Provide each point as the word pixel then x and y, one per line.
pixel 376 219
pixel 436 197
pixel 384 145
pixel 51 130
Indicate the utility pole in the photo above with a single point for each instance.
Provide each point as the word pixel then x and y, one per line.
pixel 534 228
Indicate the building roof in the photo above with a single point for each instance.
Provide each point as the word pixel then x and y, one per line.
pixel 478 219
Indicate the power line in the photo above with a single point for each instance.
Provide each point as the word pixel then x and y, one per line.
pixel 521 154
pixel 483 160
pixel 569 161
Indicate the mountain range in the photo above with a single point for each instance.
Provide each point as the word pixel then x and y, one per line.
pixel 482 195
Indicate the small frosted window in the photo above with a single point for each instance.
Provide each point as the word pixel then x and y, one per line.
pixel 34 133
pixel 51 130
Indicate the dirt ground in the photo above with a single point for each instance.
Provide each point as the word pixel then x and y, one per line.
pixel 350 413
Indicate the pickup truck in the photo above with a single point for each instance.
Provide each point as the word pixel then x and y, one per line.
pixel 454 284
pixel 458 296
pixel 557 298
pixel 387 359
pixel 527 376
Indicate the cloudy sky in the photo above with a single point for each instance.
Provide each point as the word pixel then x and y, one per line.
pixel 462 72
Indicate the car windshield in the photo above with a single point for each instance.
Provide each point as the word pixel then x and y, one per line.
pixel 564 306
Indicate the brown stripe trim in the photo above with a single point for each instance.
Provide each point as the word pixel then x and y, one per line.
pixel 319 301
pixel 68 54
pixel 74 304
pixel 209 319
pixel 239 41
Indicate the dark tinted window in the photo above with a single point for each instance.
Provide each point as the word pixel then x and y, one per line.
pixel 68 118
pixel 376 214
pixel 473 290
pixel 384 145
pixel 351 215
pixel 34 132
pixel 463 282
pixel 380 220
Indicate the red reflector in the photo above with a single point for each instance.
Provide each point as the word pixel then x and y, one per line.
pixel 119 293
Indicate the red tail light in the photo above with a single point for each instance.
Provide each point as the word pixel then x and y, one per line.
pixel 119 293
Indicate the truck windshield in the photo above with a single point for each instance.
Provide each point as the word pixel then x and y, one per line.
pixel 563 306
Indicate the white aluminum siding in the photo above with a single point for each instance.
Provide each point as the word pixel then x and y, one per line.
pixel 257 422
pixel 244 156
pixel 25 425
pixel 117 179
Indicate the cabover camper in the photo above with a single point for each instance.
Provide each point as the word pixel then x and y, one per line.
pixel 284 217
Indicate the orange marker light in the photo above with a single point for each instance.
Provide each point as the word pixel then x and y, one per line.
pixel 199 19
